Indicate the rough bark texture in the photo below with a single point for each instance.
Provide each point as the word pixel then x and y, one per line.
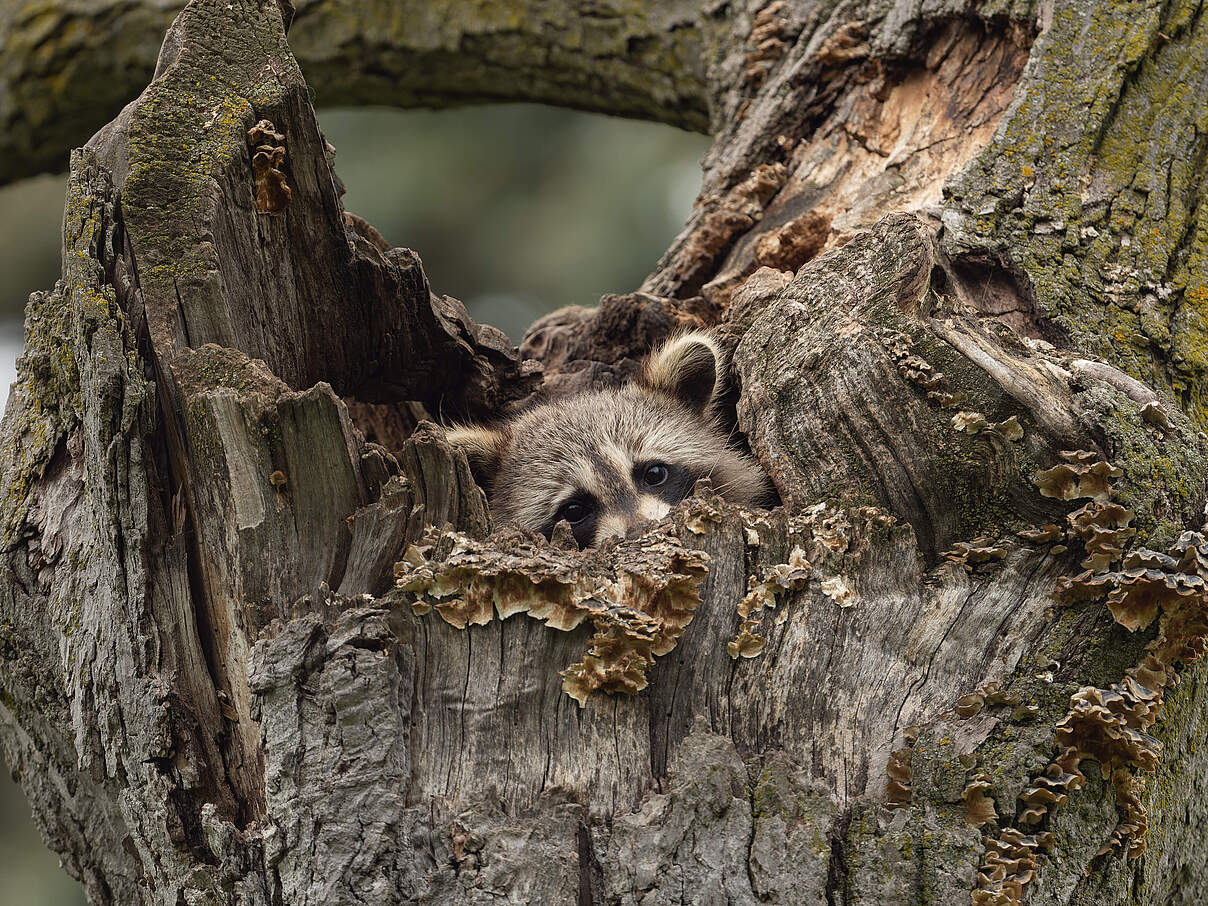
pixel 250 657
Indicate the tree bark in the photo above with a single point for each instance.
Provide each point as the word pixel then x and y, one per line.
pixel 68 67
pixel 958 255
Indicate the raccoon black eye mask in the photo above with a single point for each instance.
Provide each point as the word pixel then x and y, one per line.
pixel 608 462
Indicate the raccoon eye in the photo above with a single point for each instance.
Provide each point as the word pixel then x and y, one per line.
pixel 573 511
pixel 655 474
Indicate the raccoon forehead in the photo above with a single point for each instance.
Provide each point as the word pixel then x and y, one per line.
pixel 624 425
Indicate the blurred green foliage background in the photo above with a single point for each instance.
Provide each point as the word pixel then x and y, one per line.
pixel 516 210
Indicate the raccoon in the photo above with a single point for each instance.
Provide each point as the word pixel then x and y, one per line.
pixel 610 462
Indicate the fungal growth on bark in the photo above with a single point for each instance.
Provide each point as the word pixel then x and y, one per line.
pixel 638 598
pixel 764 589
pixel 261 642
pixel 268 157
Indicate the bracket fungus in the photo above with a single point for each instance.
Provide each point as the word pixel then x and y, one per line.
pixel 820 536
pixel 979 808
pixel 970 705
pixel 897 788
pixel 1009 865
pixel 770 37
pixel 1129 834
pixel 838 591
pixel 1108 725
pixel 1139 592
pixel 920 372
pixel 828 527
pixel 1191 551
pixel 1050 789
pixel 1044 534
pixel 775 580
pixel 979 550
pixel 1086 586
pixel 1102 528
pixel 703 510
pixel 988 693
pixel 976 423
pixel 639 596
pixel 1083 474
pixel 1152 413
pixel 969 422
pixel 1010 428
pixel 273 194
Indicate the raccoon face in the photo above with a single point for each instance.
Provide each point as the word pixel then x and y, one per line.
pixel 610 462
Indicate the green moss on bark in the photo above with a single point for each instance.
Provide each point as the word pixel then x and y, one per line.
pixel 1092 188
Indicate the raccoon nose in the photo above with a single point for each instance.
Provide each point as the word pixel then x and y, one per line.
pixel 611 526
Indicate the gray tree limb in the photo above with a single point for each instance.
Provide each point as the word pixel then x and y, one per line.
pixel 69 67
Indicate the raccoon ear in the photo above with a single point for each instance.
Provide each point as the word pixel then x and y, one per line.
pixel 483 445
pixel 685 368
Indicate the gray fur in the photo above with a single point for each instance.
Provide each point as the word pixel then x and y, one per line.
pixel 594 443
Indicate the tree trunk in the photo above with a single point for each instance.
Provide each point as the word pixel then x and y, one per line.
pixel 958 254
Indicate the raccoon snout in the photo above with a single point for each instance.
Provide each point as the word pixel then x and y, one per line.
pixel 633 523
pixel 630 525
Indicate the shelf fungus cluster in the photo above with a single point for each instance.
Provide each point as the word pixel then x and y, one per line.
pixel 979 550
pixel 1010 864
pixel 1107 725
pixel 920 372
pixel 1129 834
pixel 898 791
pixel 1111 725
pixel 979 808
pixel 1102 528
pixel 774 581
pixel 1083 474
pixel 976 423
pixel 989 693
pixel 770 37
pixel 1012 858
pixel 273 194
pixel 820 544
pixel 1052 788
pixel 639 596
pixel 1171 587
pixel 940 392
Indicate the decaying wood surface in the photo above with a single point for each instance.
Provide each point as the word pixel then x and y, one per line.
pixel 251 657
